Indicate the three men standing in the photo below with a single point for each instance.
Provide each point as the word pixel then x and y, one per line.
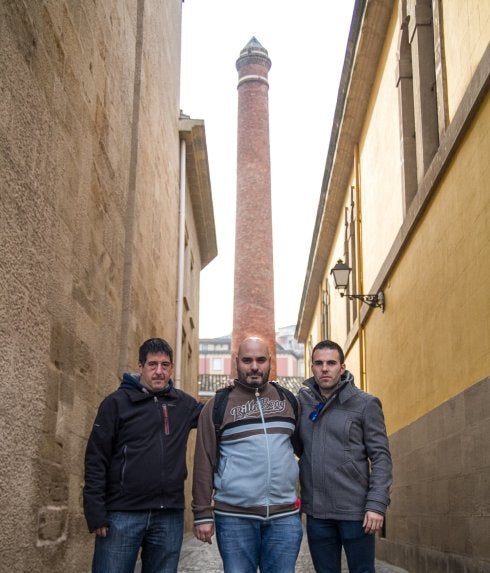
pixel 245 473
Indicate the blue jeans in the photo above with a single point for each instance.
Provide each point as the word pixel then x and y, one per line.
pixel 326 538
pixel 159 533
pixel 245 544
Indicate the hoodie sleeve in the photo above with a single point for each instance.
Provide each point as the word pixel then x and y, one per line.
pixel 376 442
pixel 296 437
pixel 97 462
pixel 196 413
pixel 204 463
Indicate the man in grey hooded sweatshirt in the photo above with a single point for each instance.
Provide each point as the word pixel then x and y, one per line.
pixel 345 464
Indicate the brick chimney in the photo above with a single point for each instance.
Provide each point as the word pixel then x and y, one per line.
pixel 253 309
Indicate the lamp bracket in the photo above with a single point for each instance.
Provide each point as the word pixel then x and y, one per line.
pixel 375 300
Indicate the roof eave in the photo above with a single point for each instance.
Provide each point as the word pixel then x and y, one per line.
pixel 192 131
pixel 366 38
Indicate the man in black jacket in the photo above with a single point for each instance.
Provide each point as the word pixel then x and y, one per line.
pixel 135 468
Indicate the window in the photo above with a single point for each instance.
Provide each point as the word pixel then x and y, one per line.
pixel 422 93
pixel 404 84
pixel 217 365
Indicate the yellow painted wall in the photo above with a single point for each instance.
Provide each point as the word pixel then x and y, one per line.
pixel 316 329
pixel 433 341
pixel 466 26
pixel 380 156
pixel 352 362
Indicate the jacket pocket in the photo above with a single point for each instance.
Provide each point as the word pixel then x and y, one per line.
pixel 123 465
pixel 349 493
pixel 352 473
pixel 139 471
pixel 223 472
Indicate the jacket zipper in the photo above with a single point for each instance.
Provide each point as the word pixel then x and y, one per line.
pixel 123 469
pixel 257 397
pixel 166 424
pixel 166 431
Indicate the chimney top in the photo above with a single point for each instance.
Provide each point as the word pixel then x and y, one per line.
pixel 253 46
pixel 255 53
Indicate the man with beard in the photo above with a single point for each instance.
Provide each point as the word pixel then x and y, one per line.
pixel 345 464
pixel 135 468
pixel 253 473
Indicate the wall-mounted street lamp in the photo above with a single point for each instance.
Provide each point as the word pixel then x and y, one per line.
pixel 341 274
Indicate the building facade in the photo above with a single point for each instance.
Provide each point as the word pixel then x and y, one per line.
pixel 290 356
pixel 106 220
pixel 405 204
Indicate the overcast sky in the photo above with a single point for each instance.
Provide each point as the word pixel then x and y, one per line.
pixel 306 42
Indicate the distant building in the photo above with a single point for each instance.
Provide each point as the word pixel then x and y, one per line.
pixel 290 353
pixel 214 364
pixel 215 361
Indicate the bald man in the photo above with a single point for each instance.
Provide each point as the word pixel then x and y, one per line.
pixel 245 475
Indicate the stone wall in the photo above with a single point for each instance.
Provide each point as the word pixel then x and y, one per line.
pixel 89 164
pixel 438 518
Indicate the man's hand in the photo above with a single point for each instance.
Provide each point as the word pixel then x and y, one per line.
pixel 101 531
pixel 373 522
pixel 204 532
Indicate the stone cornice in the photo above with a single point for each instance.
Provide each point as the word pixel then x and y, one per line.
pixel 197 170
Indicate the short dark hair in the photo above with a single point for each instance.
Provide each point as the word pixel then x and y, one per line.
pixel 330 344
pixel 155 345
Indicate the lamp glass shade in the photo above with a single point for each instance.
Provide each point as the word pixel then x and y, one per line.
pixel 341 274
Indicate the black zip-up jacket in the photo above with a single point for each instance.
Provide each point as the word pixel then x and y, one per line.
pixel 136 453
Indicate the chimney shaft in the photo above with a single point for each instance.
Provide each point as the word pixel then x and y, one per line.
pixel 253 309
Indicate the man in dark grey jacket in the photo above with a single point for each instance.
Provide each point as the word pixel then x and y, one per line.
pixel 345 464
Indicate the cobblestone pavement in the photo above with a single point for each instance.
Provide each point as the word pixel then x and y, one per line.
pixel 197 556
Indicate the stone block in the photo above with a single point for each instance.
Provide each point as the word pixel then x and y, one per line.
pixel 52 522
pixel 478 536
pixel 476 400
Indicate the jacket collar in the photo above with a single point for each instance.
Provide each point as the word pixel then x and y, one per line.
pixel 137 392
pixel 344 390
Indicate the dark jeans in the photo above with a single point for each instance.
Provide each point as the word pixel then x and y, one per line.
pixel 159 533
pixel 326 538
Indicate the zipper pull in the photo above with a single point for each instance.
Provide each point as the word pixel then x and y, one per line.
pixel 257 392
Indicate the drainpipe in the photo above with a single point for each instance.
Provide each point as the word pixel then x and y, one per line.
pixel 359 273
pixel 180 271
